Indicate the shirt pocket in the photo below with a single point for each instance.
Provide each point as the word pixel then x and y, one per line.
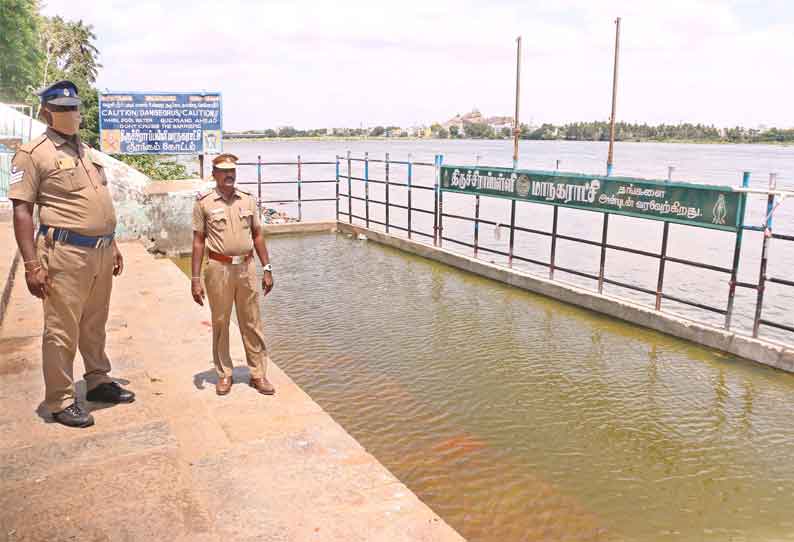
pixel 218 222
pixel 65 180
pixel 246 218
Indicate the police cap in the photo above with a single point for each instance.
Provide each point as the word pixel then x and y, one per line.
pixel 60 93
pixel 225 161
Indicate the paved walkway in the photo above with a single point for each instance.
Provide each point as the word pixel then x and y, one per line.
pixel 182 463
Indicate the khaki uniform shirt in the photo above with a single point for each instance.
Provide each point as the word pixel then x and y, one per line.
pixel 68 184
pixel 226 225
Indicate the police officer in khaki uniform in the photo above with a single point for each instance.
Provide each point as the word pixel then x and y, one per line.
pixel 71 264
pixel 226 222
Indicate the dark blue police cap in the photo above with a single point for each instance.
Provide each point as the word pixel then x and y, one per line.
pixel 60 93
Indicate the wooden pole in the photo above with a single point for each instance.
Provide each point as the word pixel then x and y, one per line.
pixel 614 97
pixel 516 129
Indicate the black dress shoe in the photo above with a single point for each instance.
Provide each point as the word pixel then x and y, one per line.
pixel 74 416
pixel 110 392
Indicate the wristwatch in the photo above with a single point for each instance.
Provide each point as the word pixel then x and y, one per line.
pixel 268 267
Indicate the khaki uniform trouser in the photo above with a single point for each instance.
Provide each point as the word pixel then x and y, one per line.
pixel 75 314
pixel 235 284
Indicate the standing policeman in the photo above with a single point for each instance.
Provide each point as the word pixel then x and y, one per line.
pixel 74 258
pixel 226 221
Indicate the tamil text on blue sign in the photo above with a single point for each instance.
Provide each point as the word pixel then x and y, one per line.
pixel 707 206
pixel 160 123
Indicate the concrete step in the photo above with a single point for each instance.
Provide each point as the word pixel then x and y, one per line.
pixel 182 463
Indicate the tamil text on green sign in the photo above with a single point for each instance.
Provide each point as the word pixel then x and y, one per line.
pixel 697 205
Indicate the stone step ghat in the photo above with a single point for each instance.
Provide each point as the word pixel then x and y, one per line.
pixel 182 463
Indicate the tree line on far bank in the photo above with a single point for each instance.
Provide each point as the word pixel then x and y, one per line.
pixel 576 131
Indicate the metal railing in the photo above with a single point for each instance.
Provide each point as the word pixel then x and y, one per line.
pixel 410 186
pixel 772 204
pixel 550 262
pixel 5 174
pixel 299 182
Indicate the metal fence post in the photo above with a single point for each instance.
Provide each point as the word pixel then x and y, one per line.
pixel 366 188
pixel 387 192
pixel 770 206
pixel 410 174
pixel 337 188
pixel 662 262
pixel 440 219
pixel 512 233
pixel 553 255
pixel 349 191
pixel 476 224
pixel 436 191
pixel 259 183
pixel 737 251
pixel 604 235
pixel 300 210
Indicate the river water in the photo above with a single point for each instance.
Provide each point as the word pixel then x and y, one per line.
pixel 712 164
pixel 517 418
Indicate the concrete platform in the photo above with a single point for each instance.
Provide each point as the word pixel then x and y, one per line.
pixel 182 463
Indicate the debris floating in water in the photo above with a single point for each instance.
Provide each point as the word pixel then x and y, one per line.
pixel 272 216
pixel 362 237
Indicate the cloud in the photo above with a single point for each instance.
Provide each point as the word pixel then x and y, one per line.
pixel 341 64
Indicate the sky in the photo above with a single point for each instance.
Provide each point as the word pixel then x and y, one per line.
pixel 366 63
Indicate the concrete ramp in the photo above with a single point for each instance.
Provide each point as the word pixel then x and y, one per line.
pixel 181 463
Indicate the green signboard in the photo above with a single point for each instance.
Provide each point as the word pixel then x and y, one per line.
pixel 706 206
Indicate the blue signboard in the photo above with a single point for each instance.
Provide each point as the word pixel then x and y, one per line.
pixel 160 123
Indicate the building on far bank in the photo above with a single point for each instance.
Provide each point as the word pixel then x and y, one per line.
pixel 475 117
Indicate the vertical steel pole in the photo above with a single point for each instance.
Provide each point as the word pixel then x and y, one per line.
pixel 300 210
pixel 662 263
pixel 337 188
pixel 512 232
pixel 366 188
pixel 614 98
pixel 770 206
pixel 604 236
pixel 516 130
pixel 737 250
pixel 436 191
pixel 410 174
pixel 259 184
pixel 553 257
pixel 201 166
pixel 387 192
pixel 476 224
pixel 349 191
pixel 440 219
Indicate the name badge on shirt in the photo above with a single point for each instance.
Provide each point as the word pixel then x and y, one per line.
pixel 66 163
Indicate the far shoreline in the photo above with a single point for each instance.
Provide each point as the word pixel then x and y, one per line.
pixel 413 138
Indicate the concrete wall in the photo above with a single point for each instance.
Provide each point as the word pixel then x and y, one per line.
pixel 767 353
pixel 169 209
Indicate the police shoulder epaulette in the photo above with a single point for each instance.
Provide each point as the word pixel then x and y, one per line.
pixel 244 192
pixel 201 195
pixel 31 145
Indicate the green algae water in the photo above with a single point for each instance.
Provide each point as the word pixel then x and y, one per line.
pixel 519 418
